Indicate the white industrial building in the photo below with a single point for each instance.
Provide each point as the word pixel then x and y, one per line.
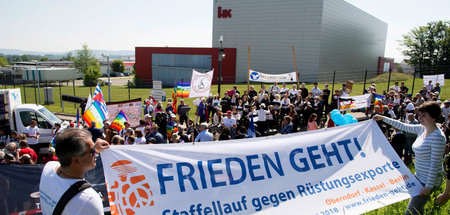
pixel 327 34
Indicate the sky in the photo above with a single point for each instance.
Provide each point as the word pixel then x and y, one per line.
pixel 61 26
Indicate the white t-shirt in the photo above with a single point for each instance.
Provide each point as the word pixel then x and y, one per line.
pixel 229 122
pixel 409 107
pixel 262 115
pixel 140 141
pixel 32 132
pixel 140 129
pixel 293 92
pixel 52 187
pixel 284 90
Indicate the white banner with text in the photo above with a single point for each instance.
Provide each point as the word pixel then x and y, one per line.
pixel 271 78
pixel 348 169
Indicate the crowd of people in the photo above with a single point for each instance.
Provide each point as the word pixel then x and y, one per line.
pixel 273 110
pixel 417 125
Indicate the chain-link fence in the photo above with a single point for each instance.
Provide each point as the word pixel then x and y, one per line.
pixel 49 93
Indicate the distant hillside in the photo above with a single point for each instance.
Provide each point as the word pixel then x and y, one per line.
pixel 98 53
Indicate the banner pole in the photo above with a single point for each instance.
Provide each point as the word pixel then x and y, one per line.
pixel 295 63
pixel 248 69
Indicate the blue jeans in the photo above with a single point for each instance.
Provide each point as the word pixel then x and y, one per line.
pixel 417 203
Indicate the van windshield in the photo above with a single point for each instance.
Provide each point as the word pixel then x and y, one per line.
pixel 49 115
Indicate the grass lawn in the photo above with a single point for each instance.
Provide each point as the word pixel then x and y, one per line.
pixel 430 208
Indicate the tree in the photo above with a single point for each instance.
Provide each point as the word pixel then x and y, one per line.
pixel 3 61
pixel 427 46
pixel 25 58
pixel 44 59
pixel 68 57
pixel 91 75
pixel 118 66
pixel 87 64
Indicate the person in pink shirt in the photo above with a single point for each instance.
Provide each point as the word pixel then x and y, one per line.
pixel 312 124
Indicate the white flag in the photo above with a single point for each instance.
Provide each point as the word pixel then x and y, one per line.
pixel 200 84
pixel 88 103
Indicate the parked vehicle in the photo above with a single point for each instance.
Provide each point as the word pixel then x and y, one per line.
pixel 17 116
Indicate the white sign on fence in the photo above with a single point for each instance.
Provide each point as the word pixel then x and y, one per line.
pixel 270 78
pixel 348 169
pixel 434 79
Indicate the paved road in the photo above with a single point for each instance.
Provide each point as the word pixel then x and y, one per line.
pixel 116 81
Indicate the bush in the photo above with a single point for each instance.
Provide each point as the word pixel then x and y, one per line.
pixel 138 82
pixel 91 76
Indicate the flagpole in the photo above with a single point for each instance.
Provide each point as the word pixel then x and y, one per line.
pixel 248 69
pixel 78 117
pixel 295 63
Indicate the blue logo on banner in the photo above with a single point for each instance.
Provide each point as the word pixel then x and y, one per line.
pixel 254 76
pixel 14 94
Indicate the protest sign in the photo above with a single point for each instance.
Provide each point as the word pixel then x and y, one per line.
pixel 434 79
pixel 200 84
pixel 354 102
pixel 348 169
pixel 270 78
pixel 131 108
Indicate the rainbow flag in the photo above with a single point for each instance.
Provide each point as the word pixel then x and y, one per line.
pixel 183 89
pixel 119 121
pixel 96 112
pixel 174 103
pixel 376 97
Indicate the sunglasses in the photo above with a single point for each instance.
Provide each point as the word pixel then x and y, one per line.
pixel 92 152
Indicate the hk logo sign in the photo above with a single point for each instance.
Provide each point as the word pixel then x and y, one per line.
pixel 223 13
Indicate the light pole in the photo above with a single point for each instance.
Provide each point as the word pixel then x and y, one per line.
pixel 221 56
pixel 37 75
pixel 109 77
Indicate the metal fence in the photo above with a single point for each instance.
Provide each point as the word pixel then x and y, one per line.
pixel 30 89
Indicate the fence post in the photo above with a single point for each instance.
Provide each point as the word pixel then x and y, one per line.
pixel 365 79
pixel 73 82
pixel 60 94
pixel 129 90
pixel 389 80
pixel 332 89
pixel 24 91
pixel 414 81
pixel 46 94
pixel 35 94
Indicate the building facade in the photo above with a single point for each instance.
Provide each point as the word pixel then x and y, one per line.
pixel 328 35
pixel 171 65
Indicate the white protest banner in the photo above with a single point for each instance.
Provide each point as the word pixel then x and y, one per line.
pixel 348 169
pixel 434 79
pixel 268 78
pixel 131 108
pixel 354 102
pixel 200 84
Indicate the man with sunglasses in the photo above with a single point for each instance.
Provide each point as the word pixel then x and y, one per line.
pixel 76 154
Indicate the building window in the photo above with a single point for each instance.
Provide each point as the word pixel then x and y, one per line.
pixel 170 68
